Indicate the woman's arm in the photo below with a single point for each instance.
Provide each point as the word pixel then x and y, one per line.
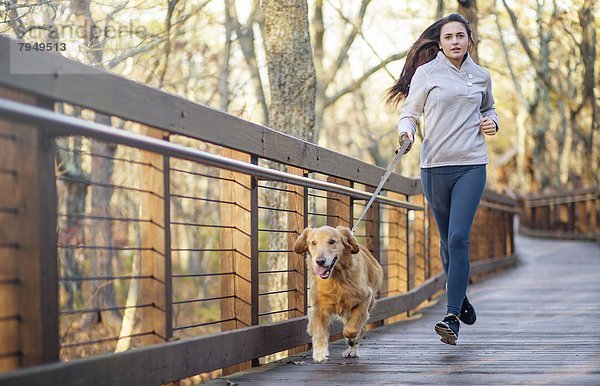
pixel 489 121
pixel 413 105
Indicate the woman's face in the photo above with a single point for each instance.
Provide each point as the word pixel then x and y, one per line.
pixel 454 41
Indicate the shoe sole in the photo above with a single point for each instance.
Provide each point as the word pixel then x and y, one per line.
pixel 469 322
pixel 448 336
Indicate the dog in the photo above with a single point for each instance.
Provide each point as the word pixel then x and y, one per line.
pixel 344 279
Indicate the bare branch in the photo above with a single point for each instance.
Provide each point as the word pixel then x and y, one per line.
pixel 343 54
pixel 516 84
pixel 329 101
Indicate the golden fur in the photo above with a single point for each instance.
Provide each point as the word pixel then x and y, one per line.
pixel 346 291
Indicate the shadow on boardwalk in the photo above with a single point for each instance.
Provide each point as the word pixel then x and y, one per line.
pixel 537 324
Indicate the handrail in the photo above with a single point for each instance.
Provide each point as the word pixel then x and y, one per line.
pixel 52 76
pixel 567 215
pixel 57 125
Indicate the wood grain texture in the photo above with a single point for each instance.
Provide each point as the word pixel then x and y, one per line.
pixel 153 238
pixel 537 325
pixel 29 300
pixel 235 211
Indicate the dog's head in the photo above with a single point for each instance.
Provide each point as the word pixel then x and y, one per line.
pixel 325 246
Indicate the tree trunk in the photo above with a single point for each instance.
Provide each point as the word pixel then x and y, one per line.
pixel 590 80
pixel 223 83
pixel 439 13
pixel 468 8
pixel 101 294
pixel 292 82
pixel 290 67
pixel 245 38
pixel 133 295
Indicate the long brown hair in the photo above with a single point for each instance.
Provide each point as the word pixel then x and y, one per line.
pixel 422 51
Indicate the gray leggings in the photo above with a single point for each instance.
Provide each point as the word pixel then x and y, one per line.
pixel 453 193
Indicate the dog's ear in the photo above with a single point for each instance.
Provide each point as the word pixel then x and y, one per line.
pixel 348 239
pixel 301 246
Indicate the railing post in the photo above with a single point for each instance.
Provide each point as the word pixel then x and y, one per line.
pixel 28 253
pixel 419 232
pixel 435 261
pixel 237 257
pixel 338 206
pixel 297 221
pixel 372 228
pixel 396 268
pixel 155 254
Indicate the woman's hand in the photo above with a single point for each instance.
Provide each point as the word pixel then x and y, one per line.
pixel 488 126
pixel 403 137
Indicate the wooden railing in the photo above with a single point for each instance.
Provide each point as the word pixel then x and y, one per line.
pixel 191 170
pixel 570 215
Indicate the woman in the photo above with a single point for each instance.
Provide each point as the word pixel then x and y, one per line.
pixel 441 81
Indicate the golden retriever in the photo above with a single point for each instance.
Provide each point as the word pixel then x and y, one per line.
pixel 344 278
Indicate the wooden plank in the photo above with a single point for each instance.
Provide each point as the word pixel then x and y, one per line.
pixel 296 222
pixel 372 228
pixel 60 79
pixel 235 192
pixel 397 270
pixel 8 328
pixel 167 362
pixel 338 205
pixel 551 234
pixel 153 241
pixel 420 273
pixel 435 260
pixel 34 261
pixel 9 237
pixel 564 349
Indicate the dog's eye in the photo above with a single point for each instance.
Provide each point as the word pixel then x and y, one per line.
pixel 331 242
pixel 314 242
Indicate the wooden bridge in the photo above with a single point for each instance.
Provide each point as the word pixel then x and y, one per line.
pixel 176 265
pixel 536 326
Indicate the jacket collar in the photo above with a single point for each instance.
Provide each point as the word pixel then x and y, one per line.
pixel 467 63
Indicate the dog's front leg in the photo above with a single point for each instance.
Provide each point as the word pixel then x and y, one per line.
pixel 355 328
pixel 318 329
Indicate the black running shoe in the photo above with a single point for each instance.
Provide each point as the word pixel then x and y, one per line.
pixel 448 329
pixel 467 312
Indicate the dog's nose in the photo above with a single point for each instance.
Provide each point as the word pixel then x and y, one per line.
pixel 320 261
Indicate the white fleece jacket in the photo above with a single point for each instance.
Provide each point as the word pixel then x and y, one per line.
pixel 454 102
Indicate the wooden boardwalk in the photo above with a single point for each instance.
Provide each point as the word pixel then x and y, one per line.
pixel 537 324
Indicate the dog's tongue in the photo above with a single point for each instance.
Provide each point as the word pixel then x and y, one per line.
pixel 321 270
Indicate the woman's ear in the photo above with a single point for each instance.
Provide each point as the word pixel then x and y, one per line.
pixel 301 246
pixel 348 239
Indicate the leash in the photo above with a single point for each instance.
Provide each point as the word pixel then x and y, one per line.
pixel 388 172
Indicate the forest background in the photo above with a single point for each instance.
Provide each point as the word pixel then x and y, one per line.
pixel 542 56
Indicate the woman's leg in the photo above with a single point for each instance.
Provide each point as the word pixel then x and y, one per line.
pixel 437 187
pixel 466 194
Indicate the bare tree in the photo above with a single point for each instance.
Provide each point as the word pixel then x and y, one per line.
pixel 290 67
pixel 439 13
pixel 292 82
pixel 468 8
pixel 326 75
pixel 101 294
pixel 246 40
pixel 559 90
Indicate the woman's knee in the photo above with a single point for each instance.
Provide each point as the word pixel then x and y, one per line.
pixel 458 241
